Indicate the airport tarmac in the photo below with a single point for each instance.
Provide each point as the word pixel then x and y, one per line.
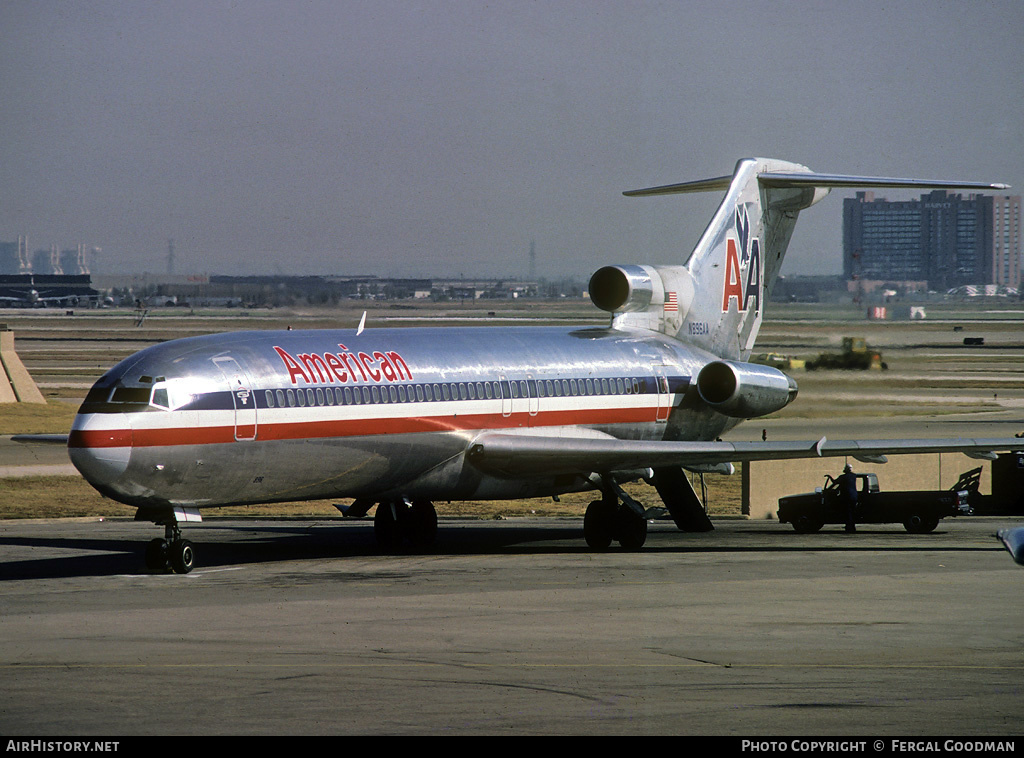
pixel 511 627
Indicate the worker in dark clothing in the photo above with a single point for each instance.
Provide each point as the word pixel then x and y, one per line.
pixel 848 495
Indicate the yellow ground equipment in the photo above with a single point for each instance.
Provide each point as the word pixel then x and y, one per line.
pixel 855 355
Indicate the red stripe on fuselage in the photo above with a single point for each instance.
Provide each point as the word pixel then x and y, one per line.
pixel 267 430
pixel 100 438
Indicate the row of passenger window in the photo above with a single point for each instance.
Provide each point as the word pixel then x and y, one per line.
pixel 419 393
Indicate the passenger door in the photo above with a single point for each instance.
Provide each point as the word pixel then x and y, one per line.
pixel 241 395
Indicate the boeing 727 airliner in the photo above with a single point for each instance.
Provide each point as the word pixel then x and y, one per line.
pixel 398 418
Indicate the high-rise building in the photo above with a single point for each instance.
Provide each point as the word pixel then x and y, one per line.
pixel 1006 242
pixel 943 239
pixel 46 261
pixel 14 257
pixel 72 261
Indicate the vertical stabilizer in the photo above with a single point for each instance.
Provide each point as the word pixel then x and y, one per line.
pixel 737 260
pixel 716 298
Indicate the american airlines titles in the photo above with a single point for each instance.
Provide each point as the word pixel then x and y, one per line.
pixel 313 368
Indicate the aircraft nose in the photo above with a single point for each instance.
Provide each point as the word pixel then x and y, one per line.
pixel 100 447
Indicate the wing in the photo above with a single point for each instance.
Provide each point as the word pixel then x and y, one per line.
pixel 517 454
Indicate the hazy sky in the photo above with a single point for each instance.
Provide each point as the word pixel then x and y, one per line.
pixel 440 138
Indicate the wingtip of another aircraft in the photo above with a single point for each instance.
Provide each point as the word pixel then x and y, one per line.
pixel 40 439
pixel 1013 541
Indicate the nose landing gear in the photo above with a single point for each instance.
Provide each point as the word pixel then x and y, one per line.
pixel 173 552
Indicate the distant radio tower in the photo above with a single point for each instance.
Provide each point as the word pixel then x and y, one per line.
pixel 170 257
pixel 533 261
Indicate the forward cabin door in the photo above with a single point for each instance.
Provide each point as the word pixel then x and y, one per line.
pixel 241 396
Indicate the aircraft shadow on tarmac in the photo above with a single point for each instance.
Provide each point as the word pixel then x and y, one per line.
pixel 263 543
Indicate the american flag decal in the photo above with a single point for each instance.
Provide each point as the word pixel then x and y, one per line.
pixel 671 302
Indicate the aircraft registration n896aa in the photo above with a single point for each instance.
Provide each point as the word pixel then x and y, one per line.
pixel 398 418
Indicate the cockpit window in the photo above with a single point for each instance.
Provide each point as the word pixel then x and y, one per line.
pixel 98 394
pixel 111 395
pixel 130 395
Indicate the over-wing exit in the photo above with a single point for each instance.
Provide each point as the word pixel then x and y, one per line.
pixel 400 418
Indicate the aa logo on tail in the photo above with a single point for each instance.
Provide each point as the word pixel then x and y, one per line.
pixel 742 266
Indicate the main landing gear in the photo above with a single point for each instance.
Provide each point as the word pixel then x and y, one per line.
pixel 405 525
pixel 618 517
pixel 399 524
pixel 615 517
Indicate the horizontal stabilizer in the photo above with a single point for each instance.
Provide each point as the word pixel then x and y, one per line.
pixel 794 179
pixel 782 180
pixel 718 184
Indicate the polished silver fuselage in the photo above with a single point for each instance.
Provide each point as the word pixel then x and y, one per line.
pixel 255 417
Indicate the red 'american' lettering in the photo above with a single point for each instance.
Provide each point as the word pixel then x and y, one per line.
pixel 330 368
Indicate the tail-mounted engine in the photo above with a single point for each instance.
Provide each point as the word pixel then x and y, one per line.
pixel 744 390
pixel 663 293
